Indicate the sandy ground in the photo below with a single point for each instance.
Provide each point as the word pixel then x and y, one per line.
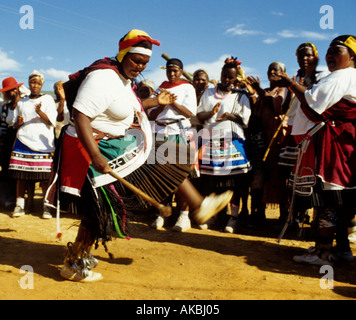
pixel 165 265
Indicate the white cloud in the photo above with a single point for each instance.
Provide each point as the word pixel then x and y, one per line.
pixel 277 13
pixel 55 74
pixel 31 59
pixel 212 68
pixel 270 40
pixel 8 64
pixel 311 35
pixel 239 30
pixel 288 34
pixel 48 58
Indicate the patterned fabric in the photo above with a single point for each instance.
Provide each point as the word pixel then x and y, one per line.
pixel 28 164
pixel 224 157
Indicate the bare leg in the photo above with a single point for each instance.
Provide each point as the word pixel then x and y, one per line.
pixel 188 193
pixel 202 209
pixel 20 189
pixel 30 188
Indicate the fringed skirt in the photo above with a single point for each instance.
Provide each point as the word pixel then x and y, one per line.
pixel 105 206
pixel 26 164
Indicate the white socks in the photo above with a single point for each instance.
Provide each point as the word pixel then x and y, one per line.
pixel 184 213
pixel 20 202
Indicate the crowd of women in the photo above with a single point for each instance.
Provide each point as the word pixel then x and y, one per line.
pixel 204 144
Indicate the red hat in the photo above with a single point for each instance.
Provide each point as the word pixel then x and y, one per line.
pixel 9 84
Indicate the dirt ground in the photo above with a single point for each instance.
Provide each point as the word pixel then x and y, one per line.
pixel 165 265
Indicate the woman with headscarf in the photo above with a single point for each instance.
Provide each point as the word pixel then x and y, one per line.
pixel 307 75
pixel 325 171
pixel 111 133
pixel 31 158
pixel 267 185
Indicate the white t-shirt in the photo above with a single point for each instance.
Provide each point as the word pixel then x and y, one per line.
pixel 209 99
pixel 324 94
pixel 299 121
pixel 108 99
pixel 186 97
pixel 331 89
pixel 34 133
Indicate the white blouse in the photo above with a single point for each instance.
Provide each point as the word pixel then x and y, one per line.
pixel 186 97
pixel 210 98
pixel 34 133
pixel 324 94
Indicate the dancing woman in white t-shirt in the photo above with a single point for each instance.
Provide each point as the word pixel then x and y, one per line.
pixel 111 134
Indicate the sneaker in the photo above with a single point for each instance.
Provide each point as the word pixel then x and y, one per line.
pixel 46 214
pixel 158 223
pixel 231 225
pixel 182 224
pixel 203 226
pixel 313 259
pixel 18 212
pixel 69 274
pixel 212 205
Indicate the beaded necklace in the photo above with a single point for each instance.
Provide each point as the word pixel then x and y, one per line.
pixel 219 95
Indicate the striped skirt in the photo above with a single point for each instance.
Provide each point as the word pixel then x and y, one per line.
pixel 224 157
pixel 27 164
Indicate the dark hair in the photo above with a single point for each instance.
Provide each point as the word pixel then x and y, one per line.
pixel 231 63
pixel 341 40
pixel 174 62
pixel 144 44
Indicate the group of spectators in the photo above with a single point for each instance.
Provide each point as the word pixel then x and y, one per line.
pixel 291 144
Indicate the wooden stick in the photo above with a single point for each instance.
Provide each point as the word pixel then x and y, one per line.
pixel 272 140
pixel 165 211
pixel 277 131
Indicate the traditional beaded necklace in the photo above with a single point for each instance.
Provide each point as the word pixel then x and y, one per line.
pixel 219 95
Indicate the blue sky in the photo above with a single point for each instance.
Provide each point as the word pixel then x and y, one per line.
pixel 69 35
